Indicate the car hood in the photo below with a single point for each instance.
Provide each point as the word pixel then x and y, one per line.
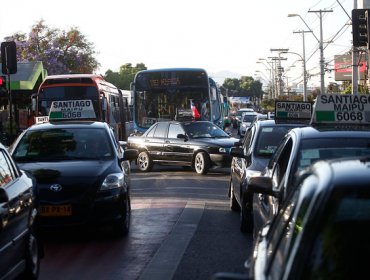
pixel 59 172
pixel 222 142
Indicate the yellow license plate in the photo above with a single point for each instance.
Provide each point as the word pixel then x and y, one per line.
pixel 56 210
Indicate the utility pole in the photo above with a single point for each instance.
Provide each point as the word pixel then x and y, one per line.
pixel 280 69
pixel 304 64
pixel 322 61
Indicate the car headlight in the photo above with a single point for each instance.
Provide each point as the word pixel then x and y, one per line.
pixel 244 125
pixel 113 181
pixel 224 150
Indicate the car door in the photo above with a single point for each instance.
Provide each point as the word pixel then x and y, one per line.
pixel 177 149
pixel 155 143
pixel 265 207
pixel 240 164
pixel 15 203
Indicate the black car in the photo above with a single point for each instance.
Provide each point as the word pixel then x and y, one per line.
pixel 322 229
pixel 82 174
pixel 20 246
pixel 250 159
pixel 200 145
pixel 300 148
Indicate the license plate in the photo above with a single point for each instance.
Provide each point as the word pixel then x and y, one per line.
pixel 56 210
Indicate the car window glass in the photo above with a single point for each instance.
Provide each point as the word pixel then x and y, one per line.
pixel 174 130
pixel 313 150
pixel 64 144
pixel 289 225
pixel 6 171
pixel 269 138
pixel 160 130
pixel 150 133
pixel 248 139
pixel 281 163
pixel 343 232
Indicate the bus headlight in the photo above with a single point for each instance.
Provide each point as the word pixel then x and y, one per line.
pixel 113 181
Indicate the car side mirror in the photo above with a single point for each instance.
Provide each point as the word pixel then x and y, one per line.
pixel 130 154
pixel 260 184
pixel 237 152
pixel 182 136
pixel 3 196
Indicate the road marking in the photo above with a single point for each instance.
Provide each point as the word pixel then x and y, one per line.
pixel 165 261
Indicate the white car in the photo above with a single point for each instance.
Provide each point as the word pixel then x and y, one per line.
pixel 246 121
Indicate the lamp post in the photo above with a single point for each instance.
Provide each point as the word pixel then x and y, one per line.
pixel 322 72
pixel 304 74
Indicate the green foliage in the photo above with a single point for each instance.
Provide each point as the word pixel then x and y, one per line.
pixel 245 86
pixel 125 76
pixel 60 51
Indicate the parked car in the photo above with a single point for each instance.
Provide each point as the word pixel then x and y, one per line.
pixel 82 174
pixel 320 229
pixel 250 159
pixel 20 246
pixel 200 145
pixel 247 119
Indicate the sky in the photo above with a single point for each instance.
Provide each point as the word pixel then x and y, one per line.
pixel 217 35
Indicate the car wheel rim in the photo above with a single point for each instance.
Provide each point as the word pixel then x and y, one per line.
pixel 143 161
pixel 199 163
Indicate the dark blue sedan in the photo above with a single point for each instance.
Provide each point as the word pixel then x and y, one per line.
pixel 82 174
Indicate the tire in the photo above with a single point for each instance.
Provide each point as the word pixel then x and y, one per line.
pixel 33 255
pixel 246 217
pixel 234 205
pixel 202 163
pixel 144 162
pixel 122 227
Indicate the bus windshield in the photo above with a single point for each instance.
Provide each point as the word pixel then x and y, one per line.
pixel 171 95
pixel 49 94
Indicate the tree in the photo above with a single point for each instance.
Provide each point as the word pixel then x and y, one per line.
pixel 61 52
pixel 125 76
pixel 245 86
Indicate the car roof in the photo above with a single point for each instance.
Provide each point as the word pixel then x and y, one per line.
pixel 310 132
pixel 68 124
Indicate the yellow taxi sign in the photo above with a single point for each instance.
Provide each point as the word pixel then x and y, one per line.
pixel 342 109
pixel 72 110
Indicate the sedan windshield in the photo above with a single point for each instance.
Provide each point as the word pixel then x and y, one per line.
pixel 204 130
pixel 63 144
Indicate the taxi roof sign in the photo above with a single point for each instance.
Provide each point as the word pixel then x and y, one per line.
pixel 72 110
pixel 341 109
pixel 299 110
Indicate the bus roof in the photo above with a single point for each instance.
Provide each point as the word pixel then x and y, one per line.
pixel 77 79
pixel 173 69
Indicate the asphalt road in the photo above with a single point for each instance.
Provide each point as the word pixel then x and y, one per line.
pixel 181 228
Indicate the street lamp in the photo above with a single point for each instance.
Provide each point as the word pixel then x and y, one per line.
pixel 321 47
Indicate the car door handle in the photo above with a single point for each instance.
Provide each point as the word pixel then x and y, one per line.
pixel 167 142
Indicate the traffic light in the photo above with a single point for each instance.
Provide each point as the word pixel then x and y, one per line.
pixel 360 27
pixel 2 81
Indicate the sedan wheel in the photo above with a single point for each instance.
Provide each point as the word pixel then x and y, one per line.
pixel 202 163
pixel 122 227
pixel 234 205
pixel 144 162
pixel 32 258
pixel 246 217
